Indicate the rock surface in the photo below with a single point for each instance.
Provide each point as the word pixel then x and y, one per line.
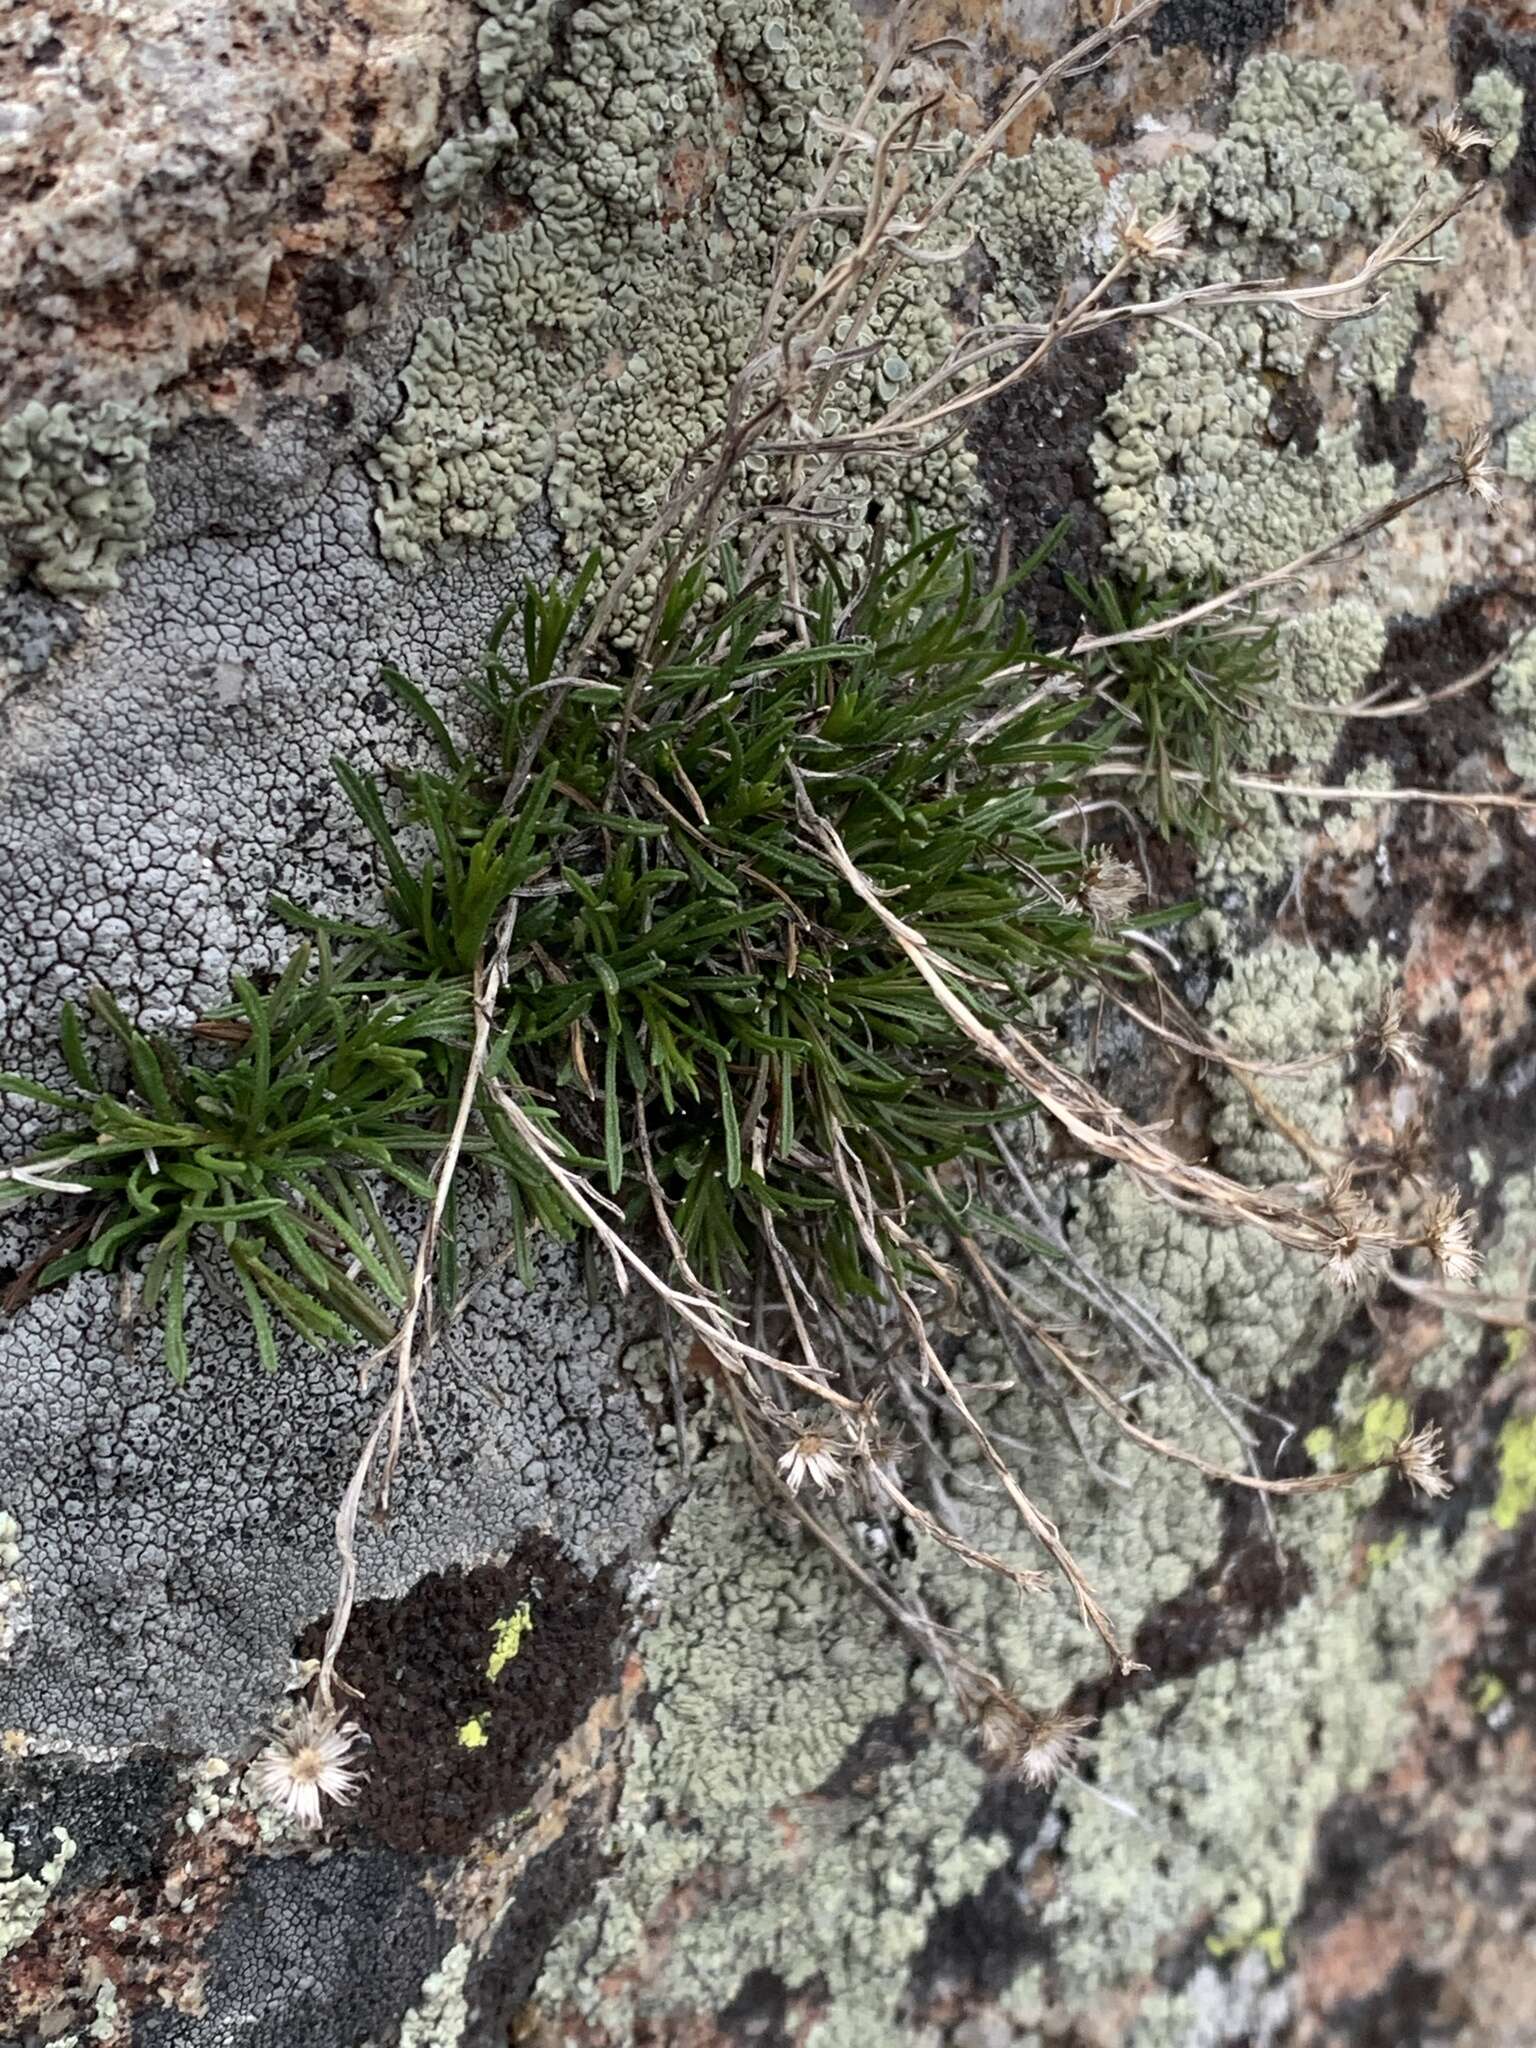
pixel 321 328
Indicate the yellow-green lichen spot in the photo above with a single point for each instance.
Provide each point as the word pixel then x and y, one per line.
pixel 1517 1472
pixel 509 1634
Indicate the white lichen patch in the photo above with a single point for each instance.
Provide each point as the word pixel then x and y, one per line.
pixel 15 1612
pixel 213 1788
pixel 24 1899
pixel 440 2014
pixel 1520 453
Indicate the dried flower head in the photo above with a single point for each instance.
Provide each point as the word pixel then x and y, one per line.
pixel 1410 1148
pixel 1448 1240
pixel 1034 1748
pixel 815 1457
pixel 1388 1036
pixel 1110 888
pixel 879 1454
pixel 1358 1260
pixel 1362 1246
pixel 1163 240
pixel 1479 478
pixel 1449 137
pixel 1417 1457
pixel 309 1760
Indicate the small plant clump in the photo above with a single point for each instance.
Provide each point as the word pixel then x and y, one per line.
pixel 261 1169
pixel 731 958
pixel 697 1008
pixel 1181 702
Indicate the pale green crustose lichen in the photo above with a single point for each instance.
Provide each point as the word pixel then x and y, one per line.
pixel 1324 658
pixel 764 1670
pixel 590 344
pixel 513 45
pixel 1497 103
pixel 75 503
pixel 1285 1002
pixel 441 2012
pixel 1188 484
pixel 584 345
pixel 1520 451
pixel 1217 1290
pixel 1245 1311
pixel 1033 215
pixel 1514 698
pixel 1193 481
pixel 1232 1772
pixel 1240 1787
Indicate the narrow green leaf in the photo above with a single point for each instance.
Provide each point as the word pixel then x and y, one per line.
pixel 176 1357
pixel 613 1143
pixel 730 1128
pixel 261 1322
pixel 72 1045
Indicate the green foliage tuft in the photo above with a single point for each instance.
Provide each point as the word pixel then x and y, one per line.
pixel 688 975
pixel 697 1008
pixel 260 1166
pixel 1182 702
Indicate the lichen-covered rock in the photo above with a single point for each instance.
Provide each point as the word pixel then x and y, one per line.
pixel 197 199
pixel 1196 478
pixel 323 328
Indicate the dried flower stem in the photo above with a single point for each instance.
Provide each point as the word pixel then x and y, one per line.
pixel 1036 1333
pixel 1264 785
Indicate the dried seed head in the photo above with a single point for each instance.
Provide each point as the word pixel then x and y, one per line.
pixel 1110 888
pixel 1362 1248
pixel 1410 1148
pixel 1449 137
pixel 1034 1748
pixel 1448 1240
pixel 815 1457
pixel 1357 1262
pixel 1163 240
pixel 1388 1036
pixel 1479 478
pixel 308 1761
pixel 1417 1457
